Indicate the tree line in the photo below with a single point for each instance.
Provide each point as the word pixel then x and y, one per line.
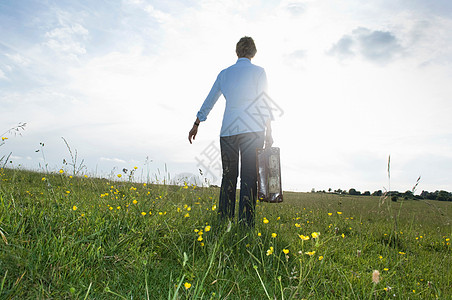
pixel 395 195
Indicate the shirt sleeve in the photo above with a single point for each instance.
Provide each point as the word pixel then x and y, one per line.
pixel 212 98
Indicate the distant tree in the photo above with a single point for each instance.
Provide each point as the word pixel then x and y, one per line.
pixel 429 196
pixel 366 193
pixel 338 191
pixel 408 195
pixel 354 192
pixel 377 193
pixel 443 196
pixel 329 190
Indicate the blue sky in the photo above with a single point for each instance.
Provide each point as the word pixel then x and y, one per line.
pixel 122 81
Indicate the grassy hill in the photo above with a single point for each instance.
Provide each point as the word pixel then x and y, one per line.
pixel 67 237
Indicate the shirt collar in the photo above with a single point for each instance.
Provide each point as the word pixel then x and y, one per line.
pixel 243 59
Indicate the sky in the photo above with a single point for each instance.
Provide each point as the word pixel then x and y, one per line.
pixel 121 82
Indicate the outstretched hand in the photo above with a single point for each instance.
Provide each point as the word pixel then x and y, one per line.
pixel 192 133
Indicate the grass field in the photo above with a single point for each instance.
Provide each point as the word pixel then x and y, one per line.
pixel 69 237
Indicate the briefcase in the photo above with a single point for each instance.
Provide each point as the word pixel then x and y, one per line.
pixel 269 187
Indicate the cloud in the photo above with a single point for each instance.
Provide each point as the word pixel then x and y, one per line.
pixel 158 15
pixel 296 8
pixel 66 40
pixel 296 58
pixel 344 47
pixel 65 35
pixel 116 160
pixel 153 12
pixel 18 59
pixel 3 75
pixel 373 45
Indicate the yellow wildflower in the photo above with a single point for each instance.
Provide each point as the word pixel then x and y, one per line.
pixel 330 214
pixel 286 251
pixel 187 285
pixel 119 175
pixel 143 213
pixel 207 228
pixel 187 215
pixel 134 201
pixel 303 237
pixel 214 207
pixel 315 235
pixel 4 138
pixel 274 235
pixel 297 225
pixel 339 213
pixel 320 257
pixel 270 251
pixel 310 253
pixel 74 207
pixel 61 171
pixel 43 179
pixel 265 220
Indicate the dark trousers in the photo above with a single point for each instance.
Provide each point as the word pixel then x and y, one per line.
pixel 241 146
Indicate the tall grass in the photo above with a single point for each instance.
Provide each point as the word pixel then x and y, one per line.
pixel 76 237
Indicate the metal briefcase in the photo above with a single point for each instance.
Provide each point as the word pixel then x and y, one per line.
pixel 269 187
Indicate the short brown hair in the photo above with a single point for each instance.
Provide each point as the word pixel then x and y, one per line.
pixel 246 47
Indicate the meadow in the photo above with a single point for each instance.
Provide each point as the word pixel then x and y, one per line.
pixel 76 237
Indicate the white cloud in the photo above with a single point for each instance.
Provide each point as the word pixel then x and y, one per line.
pixel 18 59
pixel 158 15
pixel 296 8
pixel 115 160
pixel 3 75
pixel 65 40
